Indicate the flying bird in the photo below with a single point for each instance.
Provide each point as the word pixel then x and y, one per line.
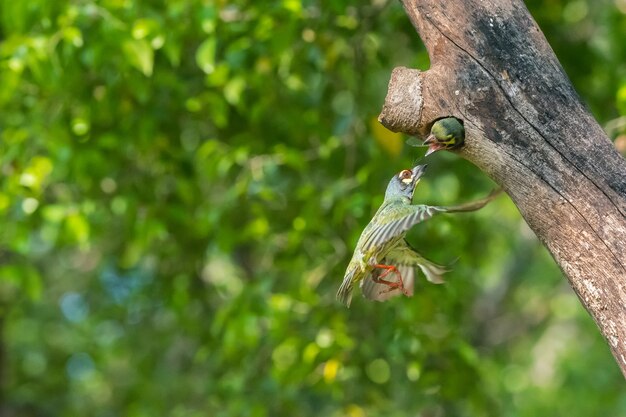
pixel 383 262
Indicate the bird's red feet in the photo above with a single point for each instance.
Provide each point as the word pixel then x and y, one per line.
pixel 392 285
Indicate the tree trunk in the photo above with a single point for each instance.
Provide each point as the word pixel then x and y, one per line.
pixel 528 130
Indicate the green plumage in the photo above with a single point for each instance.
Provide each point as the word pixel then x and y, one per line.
pixel 381 248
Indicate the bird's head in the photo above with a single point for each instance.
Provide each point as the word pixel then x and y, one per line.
pixel 403 184
pixel 447 133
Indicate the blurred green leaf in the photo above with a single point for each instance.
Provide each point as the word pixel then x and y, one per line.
pixel 205 55
pixel 140 55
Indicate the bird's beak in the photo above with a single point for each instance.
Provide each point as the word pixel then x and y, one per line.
pixel 418 171
pixel 433 145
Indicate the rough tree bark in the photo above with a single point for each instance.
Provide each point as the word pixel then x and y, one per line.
pixel 528 130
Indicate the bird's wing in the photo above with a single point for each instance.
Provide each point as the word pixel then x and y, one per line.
pixel 404 254
pixel 393 222
pixel 472 205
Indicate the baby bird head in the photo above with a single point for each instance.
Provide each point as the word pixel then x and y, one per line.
pixel 447 133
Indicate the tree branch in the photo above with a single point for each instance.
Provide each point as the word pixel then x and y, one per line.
pixel 527 129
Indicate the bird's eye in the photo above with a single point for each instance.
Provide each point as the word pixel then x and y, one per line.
pixel 407 173
pixel 406 176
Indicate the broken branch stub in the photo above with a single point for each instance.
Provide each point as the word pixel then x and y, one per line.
pixel 402 111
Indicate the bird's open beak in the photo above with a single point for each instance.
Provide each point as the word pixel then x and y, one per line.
pixel 433 145
pixel 418 171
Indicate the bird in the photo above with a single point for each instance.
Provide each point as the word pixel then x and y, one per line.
pixel 383 262
pixel 446 133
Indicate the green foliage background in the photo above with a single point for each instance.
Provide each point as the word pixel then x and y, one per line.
pixel 183 181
